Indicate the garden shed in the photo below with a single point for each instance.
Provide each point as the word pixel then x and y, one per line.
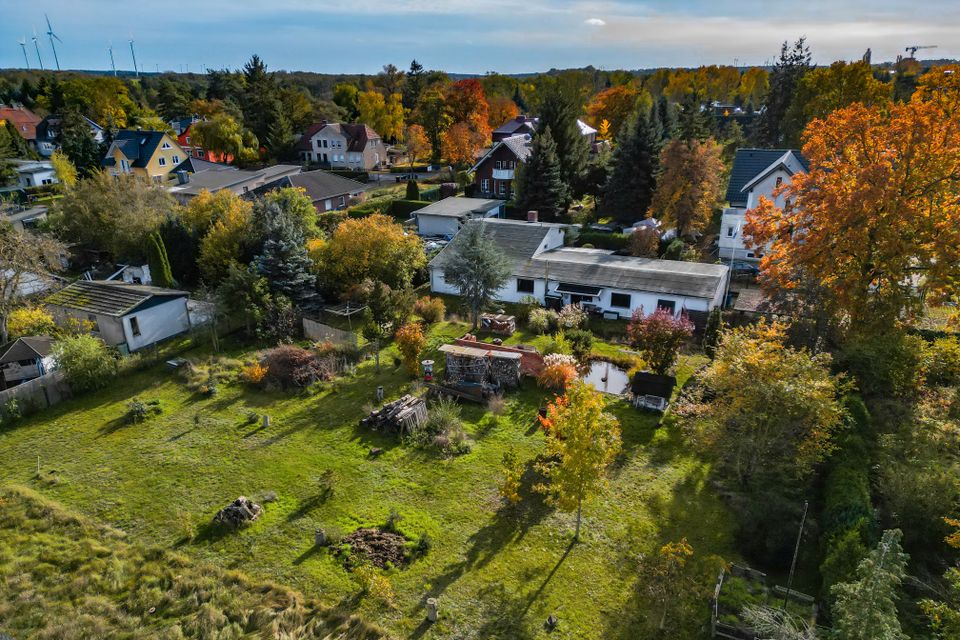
pixel 477 366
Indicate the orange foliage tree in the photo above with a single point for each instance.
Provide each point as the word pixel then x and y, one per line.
pixel 876 221
pixel 689 185
pixel 411 343
pixel 461 144
pixel 418 144
pixel 613 105
pixel 467 102
pixel 500 110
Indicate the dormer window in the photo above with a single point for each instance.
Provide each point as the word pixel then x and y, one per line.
pixel 166 145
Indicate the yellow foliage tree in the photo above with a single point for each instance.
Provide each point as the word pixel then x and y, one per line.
pixel 689 187
pixel 418 145
pixel 582 440
pixel 31 321
pixel 223 244
pixel 206 208
pixel 411 343
pixel 370 248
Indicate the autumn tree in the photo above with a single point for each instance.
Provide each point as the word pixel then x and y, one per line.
pixel 27 260
pixel 670 581
pixel 659 337
pixel 467 103
pixel 689 185
pixel 944 615
pixel 501 109
pixel 431 113
pixel 410 343
pixel 225 242
pixel 347 97
pixel 224 136
pixel 860 224
pixel 582 441
pixel 418 144
pixel 644 243
pixel 381 316
pixel 384 115
pixel 476 268
pixel 866 609
pixel 629 189
pixel 205 208
pixel 66 172
pixel 617 106
pixel 461 144
pixel 372 248
pixel 754 85
pixel 112 213
pixel 539 181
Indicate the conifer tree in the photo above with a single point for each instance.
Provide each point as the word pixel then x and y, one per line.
pixel 413 190
pixel 539 182
pixel 284 262
pixel 791 66
pixel 280 132
pixel 160 272
pixel 558 113
pixel 633 178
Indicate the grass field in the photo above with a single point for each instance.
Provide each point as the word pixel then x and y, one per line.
pixel 497 572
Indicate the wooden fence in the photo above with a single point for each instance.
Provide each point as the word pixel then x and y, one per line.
pixel 325 333
pixel 39 393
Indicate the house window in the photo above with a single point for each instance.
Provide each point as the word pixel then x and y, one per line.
pixel 621 300
pixel 485 185
pixel 200 153
pixel 524 285
pixel 125 166
pixel 502 187
pixel 324 144
pixel 134 326
pixel 188 139
pixel 788 206
pixel 176 159
pixel 779 180
pixel 166 145
pixel 729 232
pixel 162 161
pixel 343 201
pixel 669 305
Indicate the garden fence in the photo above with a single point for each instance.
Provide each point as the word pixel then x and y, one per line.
pixel 39 393
pixel 325 333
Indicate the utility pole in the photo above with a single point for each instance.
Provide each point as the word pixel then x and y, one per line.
pixel 796 551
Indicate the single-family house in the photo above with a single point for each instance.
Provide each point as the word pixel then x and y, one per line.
pixel 151 154
pixel 342 146
pixel 445 217
pixel 50 129
pixel 240 181
pixel 26 358
pixel 128 316
pixel 34 173
pixel 495 170
pixel 181 127
pixel 542 267
pixel 327 191
pixel 22 119
pixel 755 173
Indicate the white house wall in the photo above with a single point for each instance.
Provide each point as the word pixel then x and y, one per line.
pixel 428 225
pixel 156 323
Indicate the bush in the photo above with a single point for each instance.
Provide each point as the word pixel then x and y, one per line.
pixel 559 372
pixel 413 190
pixel 138 411
pixel 404 208
pixel 289 366
pixel 31 321
pixel 254 373
pixel 411 343
pixel 430 309
pixel 581 342
pixel 889 365
pixel 609 241
pixel 542 320
pixel 659 337
pixel 942 361
pixel 572 316
pixel 443 429
pixel 87 362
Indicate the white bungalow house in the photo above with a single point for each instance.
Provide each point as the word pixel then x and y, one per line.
pixel 128 316
pixel 599 280
pixel 755 173
pixel 445 217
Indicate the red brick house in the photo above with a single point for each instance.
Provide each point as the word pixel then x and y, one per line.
pixel 494 172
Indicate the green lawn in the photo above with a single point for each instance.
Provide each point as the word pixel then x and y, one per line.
pixel 498 573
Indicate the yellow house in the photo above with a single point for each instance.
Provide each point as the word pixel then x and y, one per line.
pixel 152 154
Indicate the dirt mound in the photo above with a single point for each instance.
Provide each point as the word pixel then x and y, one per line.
pixel 238 513
pixel 377 547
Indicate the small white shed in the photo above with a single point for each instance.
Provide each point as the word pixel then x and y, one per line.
pixel 445 217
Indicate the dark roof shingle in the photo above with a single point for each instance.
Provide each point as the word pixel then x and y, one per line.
pixel 107 298
pixel 747 164
pixel 27 348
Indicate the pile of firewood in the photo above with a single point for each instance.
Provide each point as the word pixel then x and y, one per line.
pixel 402 416
pixel 237 513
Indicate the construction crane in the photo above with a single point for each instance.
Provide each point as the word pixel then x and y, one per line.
pixel 912 49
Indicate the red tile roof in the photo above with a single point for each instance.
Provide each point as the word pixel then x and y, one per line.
pixel 24 120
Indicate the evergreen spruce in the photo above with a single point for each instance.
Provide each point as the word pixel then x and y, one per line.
pixel 413 190
pixel 558 113
pixel 665 120
pixel 284 262
pixel 539 181
pixel 477 268
pixel 160 272
pixel 695 122
pixel 413 85
pixel 791 66
pixel 633 177
pixel 280 132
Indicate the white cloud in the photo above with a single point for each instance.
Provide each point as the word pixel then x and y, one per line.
pixel 594 22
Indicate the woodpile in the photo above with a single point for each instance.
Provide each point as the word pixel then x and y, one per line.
pixel 403 416
pixel 238 513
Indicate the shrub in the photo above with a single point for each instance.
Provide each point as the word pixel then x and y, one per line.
pixel 659 337
pixel 86 361
pixel 374 584
pixel 422 547
pixel 601 240
pixel 496 405
pixel 254 373
pixel 31 321
pixel 411 343
pixel 290 366
pixel 413 190
pixel 942 361
pixel 890 365
pixel 443 429
pixel 430 309
pixel 12 410
pixel 559 372
pixel 136 411
pixel 542 320
pixel 557 343
pixel 572 316
pixel 581 342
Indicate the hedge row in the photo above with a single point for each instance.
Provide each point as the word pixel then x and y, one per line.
pixel 404 208
pixel 359 176
pixel 417 168
pixel 611 241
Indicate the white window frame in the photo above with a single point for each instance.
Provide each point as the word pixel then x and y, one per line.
pixel 166 145
pixel 161 161
pixel 175 159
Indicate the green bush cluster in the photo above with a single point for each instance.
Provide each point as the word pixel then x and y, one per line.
pixel 404 208
pixel 610 241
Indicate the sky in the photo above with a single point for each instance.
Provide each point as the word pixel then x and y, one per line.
pixel 467 36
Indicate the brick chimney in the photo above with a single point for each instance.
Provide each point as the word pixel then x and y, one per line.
pixel 532 216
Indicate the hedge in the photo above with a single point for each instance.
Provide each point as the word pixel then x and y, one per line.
pixel 417 168
pixel 404 208
pixel 611 241
pixel 359 176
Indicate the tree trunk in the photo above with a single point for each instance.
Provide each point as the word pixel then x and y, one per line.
pixel 576 534
pixel 376 354
pixel 4 333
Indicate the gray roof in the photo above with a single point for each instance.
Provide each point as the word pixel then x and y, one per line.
pixel 27 348
pixel 214 181
pixel 519 145
pixel 750 163
pixel 604 269
pixel 459 207
pixel 197 165
pixel 318 185
pixel 107 297
pixel 518 241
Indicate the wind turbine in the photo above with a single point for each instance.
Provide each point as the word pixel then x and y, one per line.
pixel 36 44
pixel 53 37
pixel 112 63
pixel 134 54
pixel 23 46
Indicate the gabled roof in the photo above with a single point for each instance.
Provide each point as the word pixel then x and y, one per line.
pixel 27 348
pixel 137 146
pixel 214 181
pixel 357 135
pixel 585 129
pixel 596 267
pixel 457 207
pixel 107 297
pixel 518 145
pixel 196 165
pixel 318 185
pixel 518 241
pixel 180 125
pixel 788 162
pixel 514 125
pixel 50 127
pixel 748 164
pixel 22 119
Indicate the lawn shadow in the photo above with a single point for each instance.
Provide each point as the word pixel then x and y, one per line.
pixel 502 614
pixel 313 550
pixel 114 425
pixel 311 503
